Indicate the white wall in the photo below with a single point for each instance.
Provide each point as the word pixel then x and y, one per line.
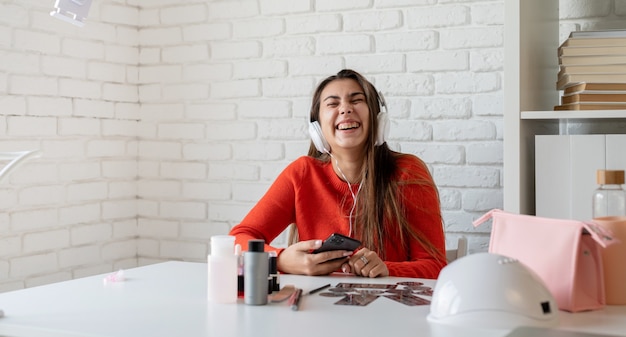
pixel 73 94
pixel 225 90
pixel 163 121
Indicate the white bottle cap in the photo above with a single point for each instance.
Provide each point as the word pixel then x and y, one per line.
pixel 222 245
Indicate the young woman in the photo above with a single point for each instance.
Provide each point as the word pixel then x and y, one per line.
pixel 351 183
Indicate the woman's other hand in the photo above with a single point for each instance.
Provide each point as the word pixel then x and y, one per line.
pixel 366 263
pixel 298 259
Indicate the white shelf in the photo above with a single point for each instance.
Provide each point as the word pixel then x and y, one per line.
pixel 531 32
pixel 574 114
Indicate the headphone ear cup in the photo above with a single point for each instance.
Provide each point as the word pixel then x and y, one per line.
pixel 383 128
pixel 315 130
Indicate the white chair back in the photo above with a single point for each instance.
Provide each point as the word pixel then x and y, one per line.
pixel 459 252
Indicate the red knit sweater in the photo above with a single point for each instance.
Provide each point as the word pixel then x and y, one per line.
pixel 309 194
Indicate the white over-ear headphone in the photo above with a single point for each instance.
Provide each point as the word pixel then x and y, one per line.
pixel 315 130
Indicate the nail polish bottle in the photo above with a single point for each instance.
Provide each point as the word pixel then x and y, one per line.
pixel 240 278
pixel 273 284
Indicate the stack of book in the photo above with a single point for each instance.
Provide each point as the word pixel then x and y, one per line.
pixel 593 71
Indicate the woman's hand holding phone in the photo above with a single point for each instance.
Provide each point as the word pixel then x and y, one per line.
pixel 300 259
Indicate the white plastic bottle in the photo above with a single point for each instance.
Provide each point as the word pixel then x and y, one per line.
pixel 609 199
pixel 222 265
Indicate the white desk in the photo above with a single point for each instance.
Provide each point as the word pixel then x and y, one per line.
pixel 169 299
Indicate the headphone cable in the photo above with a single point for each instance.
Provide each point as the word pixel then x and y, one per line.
pixel 354 195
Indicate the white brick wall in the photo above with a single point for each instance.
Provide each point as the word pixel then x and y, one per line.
pixel 162 121
pixel 71 93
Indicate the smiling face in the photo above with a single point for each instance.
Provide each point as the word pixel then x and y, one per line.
pixel 344 114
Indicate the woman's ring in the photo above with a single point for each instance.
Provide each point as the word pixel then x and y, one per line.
pixel 364 259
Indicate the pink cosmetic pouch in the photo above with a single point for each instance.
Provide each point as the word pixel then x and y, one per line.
pixel 565 254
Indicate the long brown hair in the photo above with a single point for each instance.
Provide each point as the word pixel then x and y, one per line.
pixel 378 203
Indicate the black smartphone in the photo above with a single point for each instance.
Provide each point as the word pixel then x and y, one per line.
pixel 337 241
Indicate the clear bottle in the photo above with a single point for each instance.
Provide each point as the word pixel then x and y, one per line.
pixel 609 199
pixel 222 266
